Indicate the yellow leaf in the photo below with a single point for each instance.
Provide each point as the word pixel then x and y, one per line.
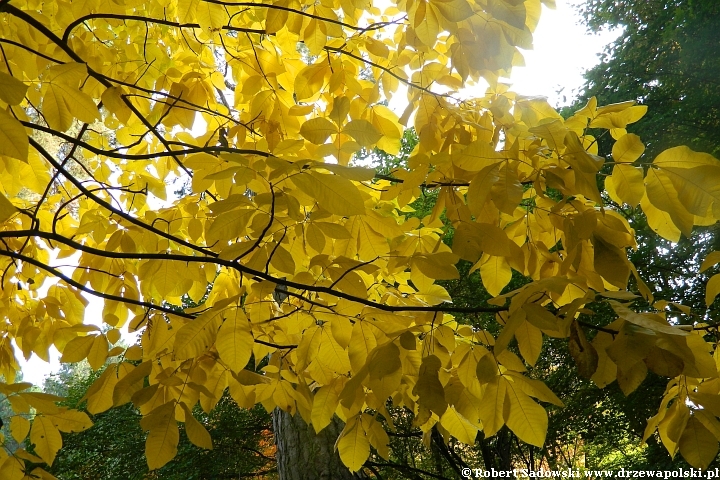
pixel 7 209
pixel 427 26
pixel 353 445
pixel 262 104
pixel 186 10
pixel 314 36
pixel 541 317
pixel 19 428
pixel 524 417
pixel 673 425
pixel 683 157
pixel 98 352
pixel 130 383
pixel 100 393
pixel 480 187
pixel 377 48
pixel 196 432
pixel 46 438
pixel 275 19
pixel 306 85
pixel 516 319
pixel 709 421
pixel 42 402
pixel 331 354
pixel 317 130
pixel 165 277
pixel 359 174
pixel 662 194
pixel 363 132
pixel 664 363
pixel 492 406
pixel 610 262
pixel 495 273
pixel 458 426
pixel 210 15
pixel 377 435
pixel 362 342
pixel 384 366
pixel 712 289
pixel 697 188
pixel 553 132
pixel 627 183
pixel 453 10
pixel 649 321
pixel 13 138
pixel 712 259
pixel 113 335
pixel 630 377
pixel 467 370
pixel 12 469
pixel 537 389
pixel 35 175
pixel 698 445
pixel 113 101
pixel 77 349
pixel 585 356
pixel 334 193
pixel 428 387
pixel 197 336
pixel 325 401
pixel 439 266
pixel 71 421
pixel 228 226
pixel 235 341
pixel 477 157
pixel 56 111
pixel 12 90
pixel 530 341
pixel 62 103
pixel 584 165
pixel 507 191
pixel 163 437
pixel 627 149
pixel 660 221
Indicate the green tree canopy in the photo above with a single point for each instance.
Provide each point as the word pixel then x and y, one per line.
pixel 663 58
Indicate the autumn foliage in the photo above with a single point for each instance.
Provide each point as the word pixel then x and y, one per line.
pixel 295 255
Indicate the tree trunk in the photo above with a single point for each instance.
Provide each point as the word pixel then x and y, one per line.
pixel 304 455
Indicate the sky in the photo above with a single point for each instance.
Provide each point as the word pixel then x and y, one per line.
pixel 563 51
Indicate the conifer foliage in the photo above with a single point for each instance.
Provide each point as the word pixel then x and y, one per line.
pixel 317 293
